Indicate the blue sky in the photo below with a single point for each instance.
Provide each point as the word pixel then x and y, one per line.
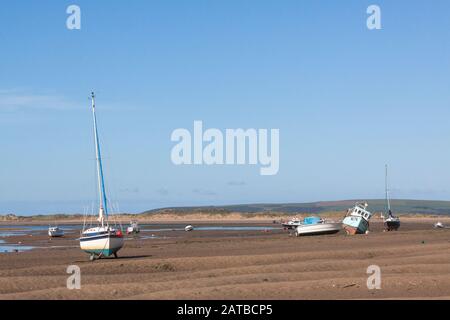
pixel 347 100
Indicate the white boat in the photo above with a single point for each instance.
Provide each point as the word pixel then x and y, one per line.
pixel 439 225
pixel 188 228
pixel 133 228
pixel 55 232
pixel 391 222
pixel 316 226
pixel 357 219
pixel 103 240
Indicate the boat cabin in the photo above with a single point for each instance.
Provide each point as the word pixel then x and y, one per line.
pixel 360 211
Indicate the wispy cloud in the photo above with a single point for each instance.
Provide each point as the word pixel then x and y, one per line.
pixel 16 100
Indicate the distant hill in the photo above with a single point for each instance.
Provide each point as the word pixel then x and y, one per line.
pixel 419 207
pixel 398 206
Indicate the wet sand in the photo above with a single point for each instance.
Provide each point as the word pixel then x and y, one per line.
pixel 226 264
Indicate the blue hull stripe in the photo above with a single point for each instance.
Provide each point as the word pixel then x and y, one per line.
pixel 105 236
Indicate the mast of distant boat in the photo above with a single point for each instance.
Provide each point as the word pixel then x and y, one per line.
pixel 103 210
pixel 388 201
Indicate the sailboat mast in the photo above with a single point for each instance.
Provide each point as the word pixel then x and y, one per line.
pixel 103 210
pixel 388 201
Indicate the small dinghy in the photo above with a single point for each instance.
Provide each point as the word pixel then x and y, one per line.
pixel 316 226
pixel 55 232
pixel 439 225
pixel 133 228
pixel 188 228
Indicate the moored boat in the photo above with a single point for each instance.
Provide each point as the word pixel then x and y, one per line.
pixel 133 228
pixel 439 225
pixel 391 222
pixel 316 226
pixel 357 219
pixel 103 240
pixel 55 232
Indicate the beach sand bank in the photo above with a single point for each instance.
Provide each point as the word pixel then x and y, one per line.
pixel 242 264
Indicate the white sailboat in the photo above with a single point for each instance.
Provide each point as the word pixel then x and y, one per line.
pixel 103 240
pixel 391 223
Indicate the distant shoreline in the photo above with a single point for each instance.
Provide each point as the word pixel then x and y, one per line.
pixel 200 218
pixel 376 206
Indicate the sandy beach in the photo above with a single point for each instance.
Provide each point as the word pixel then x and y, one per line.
pixel 164 262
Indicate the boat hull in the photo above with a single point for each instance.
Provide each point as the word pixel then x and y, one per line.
pixel 317 229
pixel 106 245
pixel 57 234
pixel 392 225
pixel 355 225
